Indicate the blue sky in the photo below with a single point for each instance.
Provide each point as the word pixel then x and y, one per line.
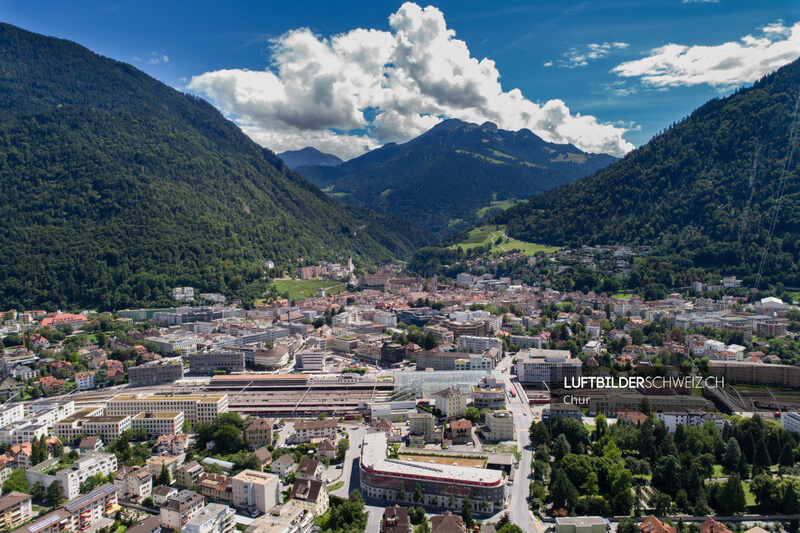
pixel 569 61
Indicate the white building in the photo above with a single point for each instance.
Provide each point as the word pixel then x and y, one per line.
pixel 500 426
pixel 255 490
pixel 11 413
pixel 672 419
pixel 478 344
pixel 546 366
pixel 791 421
pixel 213 518
pixel 70 478
pixel 85 380
pixel 183 294
pixel 385 318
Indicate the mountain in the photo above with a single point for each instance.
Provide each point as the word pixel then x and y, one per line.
pixel 455 174
pixel 702 192
pixel 308 156
pixel 117 188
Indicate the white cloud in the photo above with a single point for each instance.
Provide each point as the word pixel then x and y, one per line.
pixel 362 88
pixel 581 58
pixel 155 58
pixel 725 65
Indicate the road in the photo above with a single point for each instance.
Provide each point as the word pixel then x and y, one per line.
pixel 350 466
pixel 518 508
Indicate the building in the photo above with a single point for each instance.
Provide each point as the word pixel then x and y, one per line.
pixel 468 343
pixel 791 421
pixel 421 425
pixel 162 493
pixel 581 524
pixel 451 402
pixel 273 359
pixel 312 495
pixel 255 490
pixel 326 450
pixel 188 475
pixel 310 468
pixel 216 487
pixel 183 294
pixel 712 526
pixel 672 419
pixel 395 520
pixel 196 407
pixel 460 431
pixel 180 508
pixel 15 509
pixel 85 423
pixel 756 373
pixel 310 361
pixel 488 397
pixel 307 430
pixel 257 432
pixel 213 518
pixel 392 353
pixel 447 522
pixel 151 524
pixel 547 366
pixel 133 483
pixel 448 361
pixel 90 444
pixel 381 478
pixel 499 426
pixel 85 380
pixel 156 464
pixel 11 413
pixel 152 374
pixel 70 478
pixel 78 514
pixel 651 524
pixel 287 518
pixel 48 412
pixel 206 363
pixel 157 424
pixel 283 465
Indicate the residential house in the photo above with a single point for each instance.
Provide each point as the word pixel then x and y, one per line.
pixel 326 450
pixel 264 457
pixel 51 385
pixel 312 494
pixel 165 461
pixel 7 465
pixel 213 518
pixel 70 478
pixel 712 526
pixel 188 475
pixel 447 522
pixel 257 432
pixel 651 524
pixel 309 430
pixel 90 444
pixel 133 483
pixel 162 493
pixel 451 402
pixel 460 431
pixel 395 520
pixel 15 509
pixel 85 380
pixel 216 487
pixel 283 465
pixel 310 469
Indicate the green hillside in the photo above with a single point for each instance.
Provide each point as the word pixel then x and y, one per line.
pixel 702 193
pixel 455 174
pixel 117 188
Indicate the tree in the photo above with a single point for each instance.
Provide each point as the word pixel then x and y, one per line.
pixel 667 475
pixel 401 492
pixel 58 448
pixel 228 439
pixel 791 504
pixel 38 491
pixel 472 414
pixel 627 525
pixel 451 501
pixel 732 454
pixel 787 455
pixel 510 528
pixel 761 455
pixel 55 494
pixel 341 448
pixel 540 434
pixel 322 416
pixel 418 495
pixel 601 426
pixel 731 496
pixel 16 482
pixel 562 448
pixel 187 426
pixel 148 502
pixel 563 492
pixel 466 513
pixel 163 477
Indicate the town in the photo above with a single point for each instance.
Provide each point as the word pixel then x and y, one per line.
pixel 391 402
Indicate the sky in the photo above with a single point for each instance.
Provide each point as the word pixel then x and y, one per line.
pixel 346 77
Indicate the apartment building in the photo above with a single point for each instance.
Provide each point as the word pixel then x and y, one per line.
pixel 157 424
pixel 153 374
pixel 791 421
pixel 255 490
pixel 469 343
pixel 213 518
pixel 196 407
pixel 179 509
pixel 133 483
pixel 207 362
pixel 188 474
pixel 756 373
pixel 547 366
pixel 306 430
pixel 257 432
pixel 15 509
pixel 85 380
pixel 312 495
pixel 172 464
pixel 71 477
pixel 499 426
pixel 451 402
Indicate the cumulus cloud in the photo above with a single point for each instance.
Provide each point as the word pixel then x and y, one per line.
pixel 725 65
pixel 581 58
pixel 357 90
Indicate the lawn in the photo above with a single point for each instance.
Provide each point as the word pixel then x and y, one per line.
pixel 622 296
pixel 302 289
pixel 486 234
pixel 336 486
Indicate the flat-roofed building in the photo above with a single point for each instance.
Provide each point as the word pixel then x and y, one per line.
pixel 196 407
pixel 213 518
pixel 791 421
pixel 756 373
pixel 546 366
pixel 381 478
pixel 70 478
pixel 469 343
pixel 581 524
pixel 109 428
pixel 255 490
pixel 207 362
pixel 421 425
pixel 500 426
pixel 156 464
pixel 152 374
pixel 157 424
